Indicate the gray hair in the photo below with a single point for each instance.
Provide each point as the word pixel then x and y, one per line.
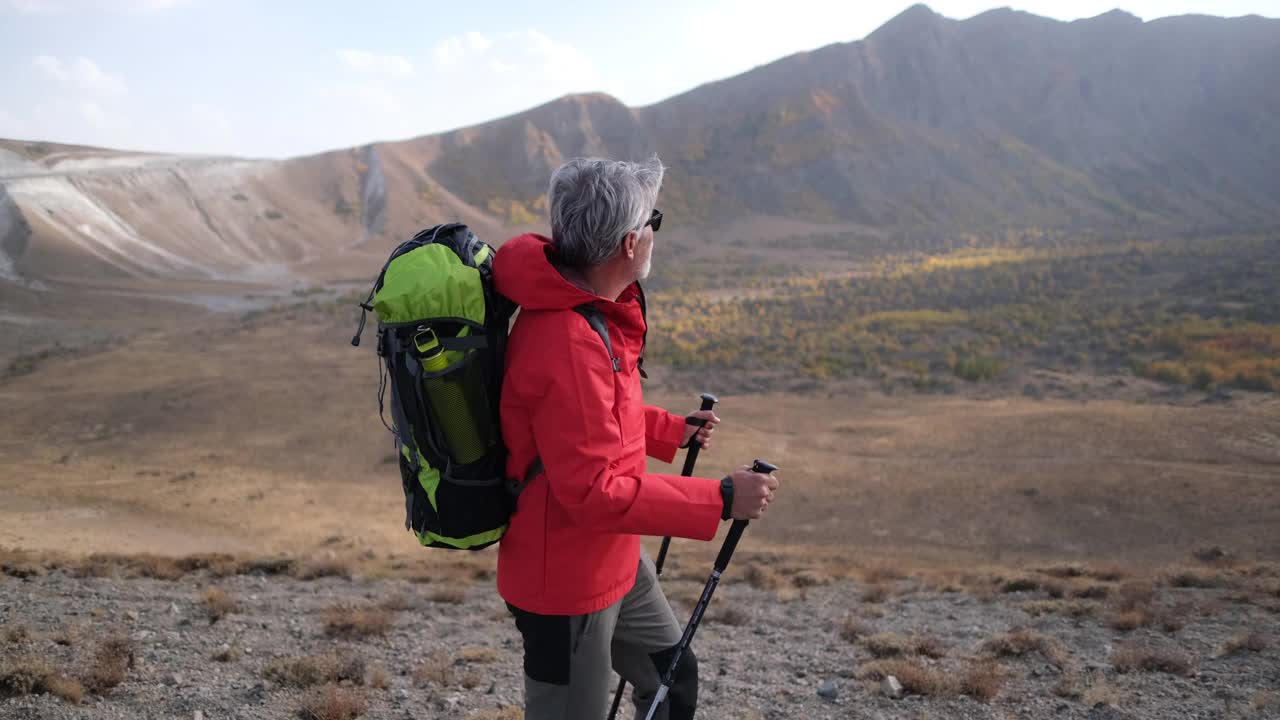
pixel 595 202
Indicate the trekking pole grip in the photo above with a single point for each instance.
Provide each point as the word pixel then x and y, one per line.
pixel 739 526
pixel 708 403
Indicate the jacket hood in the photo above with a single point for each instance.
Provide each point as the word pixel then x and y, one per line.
pixel 522 272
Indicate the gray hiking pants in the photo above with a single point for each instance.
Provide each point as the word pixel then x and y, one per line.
pixel 569 659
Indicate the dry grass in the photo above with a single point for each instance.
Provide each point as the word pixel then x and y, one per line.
pixel 1066 608
pixel 439 669
pixel 1101 692
pixel 1126 620
pixel 1264 700
pixel 762 577
pixel 1089 591
pixel 17 633
pixel 1196 578
pixel 35 676
pixel 1135 656
pixel 110 662
pixel 885 645
pixel 1244 642
pixel 399 603
pixel 310 670
pixel 1063 570
pixel 436 669
pixel 21 564
pixel 881 573
pixel 227 654
pixel 478 655
pixel 1105 573
pixel 727 614
pixel 448 595
pixel 810 578
pixel 509 712
pixel 331 702
pixel 1135 594
pixel 316 569
pixel 1132 607
pixel 347 621
pixel 67 635
pixel 378 678
pixel 217 604
pixel 24 676
pixel 915 676
pixel 144 565
pixel 1020 584
pixel 875 593
pixel 67 688
pixel 979 679
pixel 1021 642
pixel 853 628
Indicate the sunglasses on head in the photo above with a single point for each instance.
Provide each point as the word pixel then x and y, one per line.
pixel 655 220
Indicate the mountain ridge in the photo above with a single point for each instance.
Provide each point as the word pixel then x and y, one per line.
pixel 943 126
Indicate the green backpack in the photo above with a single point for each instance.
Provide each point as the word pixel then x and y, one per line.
pixel 442 329
pixel 442 333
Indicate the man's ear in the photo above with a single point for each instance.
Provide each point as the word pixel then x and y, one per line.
pixel 629 243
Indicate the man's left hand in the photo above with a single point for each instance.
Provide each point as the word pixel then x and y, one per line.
pixel 704 432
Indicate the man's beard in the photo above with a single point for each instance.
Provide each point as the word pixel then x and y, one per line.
pixel 644 269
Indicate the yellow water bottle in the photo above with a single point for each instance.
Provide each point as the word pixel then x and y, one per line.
pixel 449 403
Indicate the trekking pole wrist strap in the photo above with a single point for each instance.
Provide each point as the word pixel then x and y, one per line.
pixel 726 495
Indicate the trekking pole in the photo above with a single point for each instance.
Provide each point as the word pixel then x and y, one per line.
pixel 722 562
pixel 708 402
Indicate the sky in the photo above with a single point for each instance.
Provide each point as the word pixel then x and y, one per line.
pixel 280 78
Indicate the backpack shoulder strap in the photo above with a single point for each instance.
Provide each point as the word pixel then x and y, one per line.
pixel 596 320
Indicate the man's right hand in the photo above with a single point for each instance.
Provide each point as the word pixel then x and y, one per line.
pixel 752 493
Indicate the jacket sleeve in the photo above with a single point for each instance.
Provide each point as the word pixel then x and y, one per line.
pixel 663 433
pixel 579 440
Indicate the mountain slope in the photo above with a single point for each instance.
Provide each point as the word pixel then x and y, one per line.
pixel 1004 120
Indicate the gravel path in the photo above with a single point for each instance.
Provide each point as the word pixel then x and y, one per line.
pixel 453 653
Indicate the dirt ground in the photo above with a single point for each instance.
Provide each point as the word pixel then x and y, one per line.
pixel 920 515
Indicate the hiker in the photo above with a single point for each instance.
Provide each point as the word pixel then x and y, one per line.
pixel 570 566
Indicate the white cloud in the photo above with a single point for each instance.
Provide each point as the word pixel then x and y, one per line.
pixel 542 60
pixel 81 74
pixel 89 77
pixel 50 66
pixel 365 61
pixel 449 51
pixel 478 42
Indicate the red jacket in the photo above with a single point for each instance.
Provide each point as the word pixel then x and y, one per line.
pixel 574 540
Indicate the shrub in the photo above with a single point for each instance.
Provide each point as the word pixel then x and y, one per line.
pixel 1244 642
pixel 217 604
pixel 109 664
pixel 1133 657
pixel 310 670
pixel 346 621
pixel 1021 642
pixel 331 702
